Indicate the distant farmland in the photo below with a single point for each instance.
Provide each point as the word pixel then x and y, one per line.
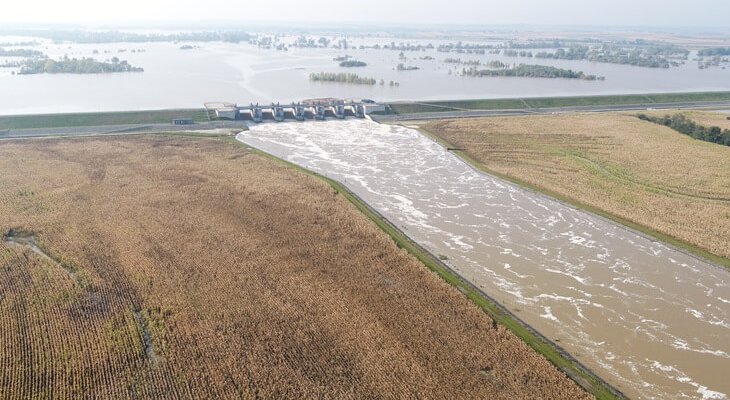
pixel 173 267
pixel 647 176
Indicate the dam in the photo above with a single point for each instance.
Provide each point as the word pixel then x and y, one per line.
pixel 310 109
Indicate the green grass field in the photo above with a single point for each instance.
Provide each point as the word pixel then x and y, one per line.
pixel 103 118
pixel 547 102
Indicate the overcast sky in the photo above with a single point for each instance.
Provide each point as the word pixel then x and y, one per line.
pixel 694 13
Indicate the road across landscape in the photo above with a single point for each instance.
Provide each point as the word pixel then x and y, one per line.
pixel 136 128
pixel 420 116
pixel 116 129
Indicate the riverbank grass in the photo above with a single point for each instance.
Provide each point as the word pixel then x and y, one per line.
pixel 645 176
pixel 100 118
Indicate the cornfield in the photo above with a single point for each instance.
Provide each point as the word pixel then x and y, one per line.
pixel 172 267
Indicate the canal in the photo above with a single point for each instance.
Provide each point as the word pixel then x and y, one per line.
pixel 649 319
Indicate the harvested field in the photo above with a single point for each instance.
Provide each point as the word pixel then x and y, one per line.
pixel 614 163
pixel 174 267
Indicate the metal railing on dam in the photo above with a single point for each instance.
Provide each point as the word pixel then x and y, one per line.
pixel 317 109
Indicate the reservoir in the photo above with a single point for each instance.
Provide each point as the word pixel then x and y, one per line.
pixel 243 73
pixel 649 319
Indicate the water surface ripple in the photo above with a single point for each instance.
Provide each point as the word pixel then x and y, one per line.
pixel 651 320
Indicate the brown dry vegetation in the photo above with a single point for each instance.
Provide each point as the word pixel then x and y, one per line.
pixel 189 268
pixel 636 170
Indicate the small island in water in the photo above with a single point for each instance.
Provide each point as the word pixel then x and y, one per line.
pixel 531 71
pixel 341 78
pixel 76 66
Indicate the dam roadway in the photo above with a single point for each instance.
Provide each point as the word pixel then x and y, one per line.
pixel 476 113
pixel 651 320
pixel 132 128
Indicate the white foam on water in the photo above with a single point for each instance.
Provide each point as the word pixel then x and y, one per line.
pixel 602 280
pixel 672 372
pixel 683 345
pixel 549 314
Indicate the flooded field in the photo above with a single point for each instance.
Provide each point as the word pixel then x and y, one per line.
pixel 651 320
pixel 244 73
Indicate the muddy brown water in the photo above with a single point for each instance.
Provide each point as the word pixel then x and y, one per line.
pixel 651 320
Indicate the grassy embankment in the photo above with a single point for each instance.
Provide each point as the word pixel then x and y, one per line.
pixel 98 119
pixel 549 102
pixel 542 345
pixel 642 175
pixel 199 115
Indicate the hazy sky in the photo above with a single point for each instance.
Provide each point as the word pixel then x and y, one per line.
pixel 695 13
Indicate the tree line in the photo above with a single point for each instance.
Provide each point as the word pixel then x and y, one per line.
pixel 353 63
pixel 532 71
pixel 650 57
pixel 80 36
pixel 717 51
pixel 76 66
pixel 20 53
pixel 341 77
pixel 682 124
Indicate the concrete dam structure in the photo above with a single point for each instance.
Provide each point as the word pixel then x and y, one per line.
pixel 313 109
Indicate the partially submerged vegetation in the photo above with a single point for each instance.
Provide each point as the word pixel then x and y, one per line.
pixel 640 53
pixel 198 285
pixel 347 61
pixel 715 51
pixel 353 63
pixel 76 66
pixel 531 71
pixel 403 67
pixel 341 77
pixel 646 176
pixel 657 56
pixel 25 53
pixel 451 60
pixel 515 53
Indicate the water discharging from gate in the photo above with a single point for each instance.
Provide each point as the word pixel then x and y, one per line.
pixel 653 321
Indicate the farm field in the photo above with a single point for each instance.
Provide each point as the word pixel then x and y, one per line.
pixel 180 267
pixel 642 174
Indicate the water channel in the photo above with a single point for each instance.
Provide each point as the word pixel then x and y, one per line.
pixel 651 320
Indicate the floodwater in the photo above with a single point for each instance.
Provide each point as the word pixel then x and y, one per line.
pixel 243 73
pixel 653 321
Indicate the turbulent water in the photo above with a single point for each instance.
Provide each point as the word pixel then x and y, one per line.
pixel 651 320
